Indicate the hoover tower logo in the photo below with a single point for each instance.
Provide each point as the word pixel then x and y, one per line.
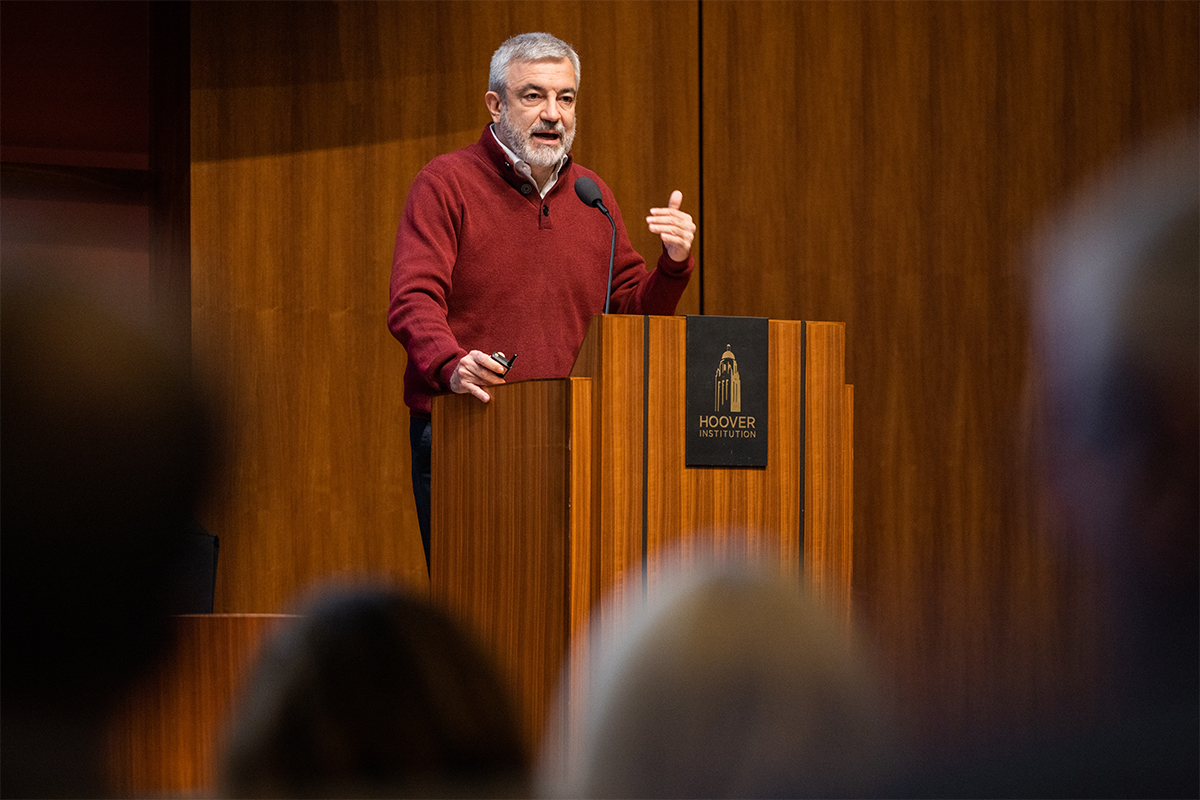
pixel 728 421
pixel 727 391
pixel 727 416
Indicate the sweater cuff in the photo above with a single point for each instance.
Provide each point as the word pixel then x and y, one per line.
pixel 448 370
pixel 675 269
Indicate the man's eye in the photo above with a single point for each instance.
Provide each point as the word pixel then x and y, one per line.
pixel 566 101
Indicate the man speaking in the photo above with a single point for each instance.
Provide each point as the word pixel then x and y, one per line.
pixel 496 254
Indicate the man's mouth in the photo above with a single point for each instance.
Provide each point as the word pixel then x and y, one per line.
pixel 549 137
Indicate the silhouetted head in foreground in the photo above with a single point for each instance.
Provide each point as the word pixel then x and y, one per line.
pixel 372 693
pixel 727 682
pixel 106 447
pixel 1117 314
pixel 1118 327
pixel 1117 338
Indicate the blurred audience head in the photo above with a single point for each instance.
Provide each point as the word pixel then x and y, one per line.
pixel 369 692
pixel 106 448
pixel 727 681
pixel 1116 323
pixel 1117 340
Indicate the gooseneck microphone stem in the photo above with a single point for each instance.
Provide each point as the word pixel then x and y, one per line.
pixel 589 193
pixel 612 248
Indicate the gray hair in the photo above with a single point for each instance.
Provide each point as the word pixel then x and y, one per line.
pixel 527 47
pixel 739 684
pixel 1117 288
pixel 1118 331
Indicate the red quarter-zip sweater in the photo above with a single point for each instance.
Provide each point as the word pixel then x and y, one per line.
pixel 483 263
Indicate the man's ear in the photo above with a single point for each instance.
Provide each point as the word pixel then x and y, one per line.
pixel 492 100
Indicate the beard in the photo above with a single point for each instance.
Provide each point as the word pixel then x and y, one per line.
pixel 533 153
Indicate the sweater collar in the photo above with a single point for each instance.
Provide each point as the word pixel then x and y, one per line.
pixel 506 164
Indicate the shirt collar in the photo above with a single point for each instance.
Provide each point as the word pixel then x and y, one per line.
pixel 523 169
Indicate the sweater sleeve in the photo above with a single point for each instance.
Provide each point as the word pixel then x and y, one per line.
pixel 636 291
pixel 422 277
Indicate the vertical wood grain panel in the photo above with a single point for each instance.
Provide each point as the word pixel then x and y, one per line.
pixel 827 532
pixel 881 164
pixel 309 122
pixel 501 545
pixel 612 356
pixel 846 568
pixel 166 736
pixel 170 167
pixel 583 582
pixel 583 540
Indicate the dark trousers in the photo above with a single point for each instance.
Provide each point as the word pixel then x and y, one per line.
pixel 420 436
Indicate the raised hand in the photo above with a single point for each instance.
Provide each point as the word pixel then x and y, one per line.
pixel 675 227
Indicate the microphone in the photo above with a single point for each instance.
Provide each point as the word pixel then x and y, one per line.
pixel 589 193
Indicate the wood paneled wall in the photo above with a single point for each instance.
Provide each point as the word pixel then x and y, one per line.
pixel 882 164
pixel 166 736
pixel 874 163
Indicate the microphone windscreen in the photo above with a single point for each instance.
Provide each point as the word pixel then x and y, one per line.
pixel 588 191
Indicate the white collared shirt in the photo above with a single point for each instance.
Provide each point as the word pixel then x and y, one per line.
pixel 523 169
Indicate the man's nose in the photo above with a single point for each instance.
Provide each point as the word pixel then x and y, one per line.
pixel 550 110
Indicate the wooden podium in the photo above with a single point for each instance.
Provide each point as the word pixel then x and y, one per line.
pixel 557 492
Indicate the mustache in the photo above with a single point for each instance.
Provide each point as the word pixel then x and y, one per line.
pixel 548 127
